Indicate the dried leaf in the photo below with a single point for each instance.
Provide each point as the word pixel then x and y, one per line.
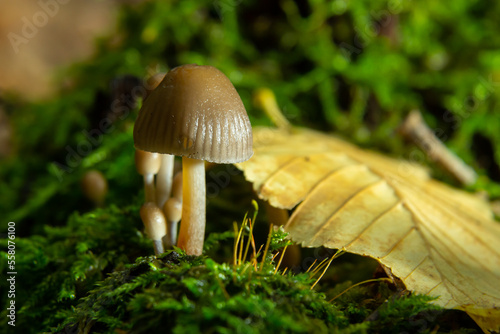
pixel 438 240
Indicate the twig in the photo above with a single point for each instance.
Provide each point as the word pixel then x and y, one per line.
pixel 417 130
pixel 266 100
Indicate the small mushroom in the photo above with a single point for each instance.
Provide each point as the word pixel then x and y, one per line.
pixel 154 221
pixel 147 165
pixel 173 210
pixel 173 213
pixel 177 186
pixel 94 186
pixel 195 113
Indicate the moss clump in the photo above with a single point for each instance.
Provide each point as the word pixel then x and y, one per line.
pixel 58 268
pixel 181 294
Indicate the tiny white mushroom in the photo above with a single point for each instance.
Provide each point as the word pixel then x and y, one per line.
pixel 177 186
pixel 154 221
pixel 173 210
pixel 147 165
pixel 173 213
pixel 164 179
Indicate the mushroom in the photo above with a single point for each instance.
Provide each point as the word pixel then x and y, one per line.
pixel 173 210
pixel 94 186
pixel 173 213
pixel 154 221
pixel 147 165
pixel 195 113
pixel 177 186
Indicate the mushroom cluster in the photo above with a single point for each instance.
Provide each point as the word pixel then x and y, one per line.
pixel 195 112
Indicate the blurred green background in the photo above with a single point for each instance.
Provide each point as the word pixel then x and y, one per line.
pixel 352 68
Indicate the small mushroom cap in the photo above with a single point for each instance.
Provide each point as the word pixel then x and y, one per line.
pixel 195 112
pixel 173 209
pixel 153 82
pixel 154 220
pixel 147 162
pixel 177 186
pixel 94 186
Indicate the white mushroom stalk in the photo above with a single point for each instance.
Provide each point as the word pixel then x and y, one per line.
pixel 164 179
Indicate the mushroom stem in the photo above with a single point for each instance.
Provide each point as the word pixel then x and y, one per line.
pixel 164 179
pixel 158 247
pixel 169 239
pixel 192 230
pixel 149 187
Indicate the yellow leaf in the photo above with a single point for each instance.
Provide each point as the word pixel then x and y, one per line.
pixel 487 319
pixel 438 240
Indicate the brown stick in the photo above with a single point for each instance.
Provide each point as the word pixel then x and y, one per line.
pixel 417 130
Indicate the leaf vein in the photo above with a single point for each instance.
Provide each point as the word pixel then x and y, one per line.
pixel 382 214
pixel 343 205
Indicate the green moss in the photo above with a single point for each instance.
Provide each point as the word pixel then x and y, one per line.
pixel 84 284
pixel 58 268
pixel 182 294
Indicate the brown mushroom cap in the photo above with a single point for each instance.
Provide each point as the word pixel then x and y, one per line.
pixel 195 112
pixel 94 186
